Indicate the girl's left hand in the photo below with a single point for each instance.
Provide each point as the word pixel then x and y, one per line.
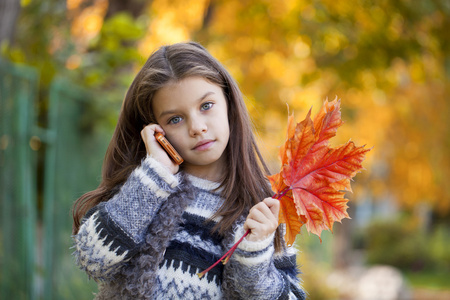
pixel 262 219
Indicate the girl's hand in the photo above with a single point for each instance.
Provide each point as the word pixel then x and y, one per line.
pixel 154 149
pixel 262 219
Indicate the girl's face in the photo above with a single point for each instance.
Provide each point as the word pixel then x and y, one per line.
pixel 194 115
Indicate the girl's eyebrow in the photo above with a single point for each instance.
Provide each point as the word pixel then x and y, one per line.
pixel 173 111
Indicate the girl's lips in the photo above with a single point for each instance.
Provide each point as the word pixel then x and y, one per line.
pixel 203 145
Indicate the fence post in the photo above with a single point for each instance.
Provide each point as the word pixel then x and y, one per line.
pixel 31 267
pixel 66 172
pixel 49 193
pixel 18 88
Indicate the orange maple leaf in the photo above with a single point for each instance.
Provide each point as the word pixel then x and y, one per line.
pixel 314 177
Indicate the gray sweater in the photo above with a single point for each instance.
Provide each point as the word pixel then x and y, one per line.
pixel 151 239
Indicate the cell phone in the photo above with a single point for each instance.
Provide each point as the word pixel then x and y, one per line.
pixel 169 148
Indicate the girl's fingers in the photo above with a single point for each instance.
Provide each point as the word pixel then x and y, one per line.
pixel 252 225
pixel 148 136
pixel 262 219
pixel 258 215
pixel 148 132
pixel 269 207
pixel 273 205
pixel 261 212
pixel 154 149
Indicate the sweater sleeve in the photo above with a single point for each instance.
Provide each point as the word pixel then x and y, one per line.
pixel 256 272
pixel 113 231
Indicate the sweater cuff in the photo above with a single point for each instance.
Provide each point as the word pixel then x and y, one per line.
pixel 253 253
pixel 252 246
pixel 150 165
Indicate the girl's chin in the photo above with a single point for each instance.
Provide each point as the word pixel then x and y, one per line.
pixel 204 163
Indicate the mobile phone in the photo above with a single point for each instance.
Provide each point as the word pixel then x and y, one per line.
pixel 169 148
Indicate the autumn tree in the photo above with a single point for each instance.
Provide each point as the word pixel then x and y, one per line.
pixel 386 60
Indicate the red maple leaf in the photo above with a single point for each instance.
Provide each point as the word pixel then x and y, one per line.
pixel 314 176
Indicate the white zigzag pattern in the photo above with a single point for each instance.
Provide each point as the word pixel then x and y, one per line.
pixel 94 256
pixel 176 284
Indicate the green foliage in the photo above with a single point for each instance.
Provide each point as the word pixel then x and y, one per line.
pixel 112 53
pixel 43 39
pixel 38 24
pixel 393 243
pixel 107 67
pixel 123 27
pixel 429 280
pixel 438 247
pixel 357 35
pixel 399 244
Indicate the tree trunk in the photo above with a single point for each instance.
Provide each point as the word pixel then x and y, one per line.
pixel 134 7
pixel 9 12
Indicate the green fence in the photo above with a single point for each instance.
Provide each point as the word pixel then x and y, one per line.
pixel 43 170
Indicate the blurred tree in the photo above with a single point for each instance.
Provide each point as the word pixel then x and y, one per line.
pixel 395 57
pixel 388 61
pixel 385 59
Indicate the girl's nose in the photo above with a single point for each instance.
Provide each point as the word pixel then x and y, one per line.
pixel 197 127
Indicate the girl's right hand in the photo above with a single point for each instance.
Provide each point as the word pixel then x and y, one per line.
pixel 155 150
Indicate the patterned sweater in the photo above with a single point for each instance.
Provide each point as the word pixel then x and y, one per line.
pixel 151 239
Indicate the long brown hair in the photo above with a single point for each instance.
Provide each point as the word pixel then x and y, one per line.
pixel 244 184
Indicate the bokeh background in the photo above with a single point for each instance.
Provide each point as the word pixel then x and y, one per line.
pixel 66 65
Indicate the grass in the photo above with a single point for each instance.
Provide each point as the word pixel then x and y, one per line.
pixel 429 280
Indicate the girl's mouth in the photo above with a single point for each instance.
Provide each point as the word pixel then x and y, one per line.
pixel 203 145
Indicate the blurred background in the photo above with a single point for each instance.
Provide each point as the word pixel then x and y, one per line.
pixel 66 65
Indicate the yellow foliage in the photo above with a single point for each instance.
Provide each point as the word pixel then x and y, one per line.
pixel 297 54
pixel 87 22
pixel 172 22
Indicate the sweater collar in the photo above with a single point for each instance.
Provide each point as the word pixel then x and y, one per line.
pixel 204 184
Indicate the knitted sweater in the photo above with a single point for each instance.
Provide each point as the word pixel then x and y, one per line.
pixel 151 239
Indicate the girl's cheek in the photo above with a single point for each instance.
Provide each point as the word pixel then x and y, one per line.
pixel 176 141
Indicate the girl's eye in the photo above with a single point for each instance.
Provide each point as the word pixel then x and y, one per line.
pixel 174 120
pixel 206 106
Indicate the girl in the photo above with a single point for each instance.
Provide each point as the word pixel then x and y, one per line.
pixel 152 225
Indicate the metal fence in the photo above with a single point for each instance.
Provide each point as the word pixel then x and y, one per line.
pixel 43 170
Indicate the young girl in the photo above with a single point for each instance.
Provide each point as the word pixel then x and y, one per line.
pixel 152 225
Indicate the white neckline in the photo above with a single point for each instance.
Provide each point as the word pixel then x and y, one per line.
pixel 203 183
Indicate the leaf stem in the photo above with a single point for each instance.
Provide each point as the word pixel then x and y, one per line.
pixel 282 193
pixel 226 257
